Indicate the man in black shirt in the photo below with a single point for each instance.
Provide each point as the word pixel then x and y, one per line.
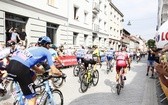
pixel 22 36
pixel 150 62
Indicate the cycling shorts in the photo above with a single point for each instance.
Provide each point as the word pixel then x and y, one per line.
pixel 150 63
pixel 120 64
pixel 109 58
pixel 80 58
pixel 23 77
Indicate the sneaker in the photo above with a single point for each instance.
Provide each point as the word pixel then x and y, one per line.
pixel 146 74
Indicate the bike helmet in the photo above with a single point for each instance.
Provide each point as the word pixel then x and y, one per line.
pixel 10 43
pixel 53 46
pixel 44 40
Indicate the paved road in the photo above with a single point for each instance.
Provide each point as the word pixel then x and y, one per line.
pixel 138 90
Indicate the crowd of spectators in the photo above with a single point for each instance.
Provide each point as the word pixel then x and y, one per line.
pixel 19 37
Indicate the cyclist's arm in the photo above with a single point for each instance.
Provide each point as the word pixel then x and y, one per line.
pixel 38 70
pixel 57 58
pixel 54 70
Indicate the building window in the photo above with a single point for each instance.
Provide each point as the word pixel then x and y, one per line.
pixel 110 28
pixel 75 35
pixel 76 17
pixel 51 3
pixel 51 31
pixel 15 21
pixel 104 40
pixel 105 26
pixel 93 39
pixel 85 38
pixel 85 17
pixel 105 9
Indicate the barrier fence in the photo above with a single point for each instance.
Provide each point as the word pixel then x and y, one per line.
pixel 165 91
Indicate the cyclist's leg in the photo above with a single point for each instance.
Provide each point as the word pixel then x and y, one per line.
pixel 33 75
pixel 24 79
pixel 117 72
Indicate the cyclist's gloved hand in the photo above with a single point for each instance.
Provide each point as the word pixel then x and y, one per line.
pixel 64 75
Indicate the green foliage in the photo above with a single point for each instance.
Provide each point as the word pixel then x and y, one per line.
pixel 151 43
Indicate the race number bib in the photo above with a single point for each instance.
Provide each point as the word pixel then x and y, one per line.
pixel 24 54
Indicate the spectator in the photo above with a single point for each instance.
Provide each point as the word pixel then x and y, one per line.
pixel 150 62
pixel 14 35
pixel 23 36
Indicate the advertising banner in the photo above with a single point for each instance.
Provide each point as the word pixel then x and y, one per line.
pixel 161 37
pixel 67 60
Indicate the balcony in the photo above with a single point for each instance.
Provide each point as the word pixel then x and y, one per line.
pixel 95 28
pixel 96 8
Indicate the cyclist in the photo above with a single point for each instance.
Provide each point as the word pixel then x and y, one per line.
pixel 24 60
pixel 80 54
pixel 138 55
pixel 122 60
pixel 54 54
pixel 110 57
pixel 96 54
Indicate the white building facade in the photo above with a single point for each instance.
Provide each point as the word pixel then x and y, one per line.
pixel 162 12
pixel 74 22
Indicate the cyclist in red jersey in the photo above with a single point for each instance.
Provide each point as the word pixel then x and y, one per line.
pixel 122 60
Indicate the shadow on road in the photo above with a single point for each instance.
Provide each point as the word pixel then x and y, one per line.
pixel 98 99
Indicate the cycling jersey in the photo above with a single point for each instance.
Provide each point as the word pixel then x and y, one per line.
pixel 53 53
pixel 80 53
pixel 32 56
pixel 96 53
pixel 121 59
pixel 110 55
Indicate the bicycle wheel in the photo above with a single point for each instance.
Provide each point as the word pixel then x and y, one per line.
pixel 95 77
pixel 118 89
pixel 40 89
pixel 57 82
pixel 81 73
pixel 84 83
pixel 76 70
pixel 57 98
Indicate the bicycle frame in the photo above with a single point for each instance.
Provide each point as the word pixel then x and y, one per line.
pixel 47 92
pixel 18 94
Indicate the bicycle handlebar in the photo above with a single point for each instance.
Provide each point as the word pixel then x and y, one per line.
pixel 45 78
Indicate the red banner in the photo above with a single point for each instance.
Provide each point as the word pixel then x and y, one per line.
pixel 67 60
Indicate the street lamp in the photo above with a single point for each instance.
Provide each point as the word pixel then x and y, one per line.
pixel 129 23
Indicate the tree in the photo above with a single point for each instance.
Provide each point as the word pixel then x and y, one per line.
pixel 151 43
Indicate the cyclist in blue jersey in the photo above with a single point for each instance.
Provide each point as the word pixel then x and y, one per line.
pixel 110 56
pixel 80 54
pixel 24 60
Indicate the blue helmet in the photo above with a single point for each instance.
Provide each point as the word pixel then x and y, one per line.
pixel 44 40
